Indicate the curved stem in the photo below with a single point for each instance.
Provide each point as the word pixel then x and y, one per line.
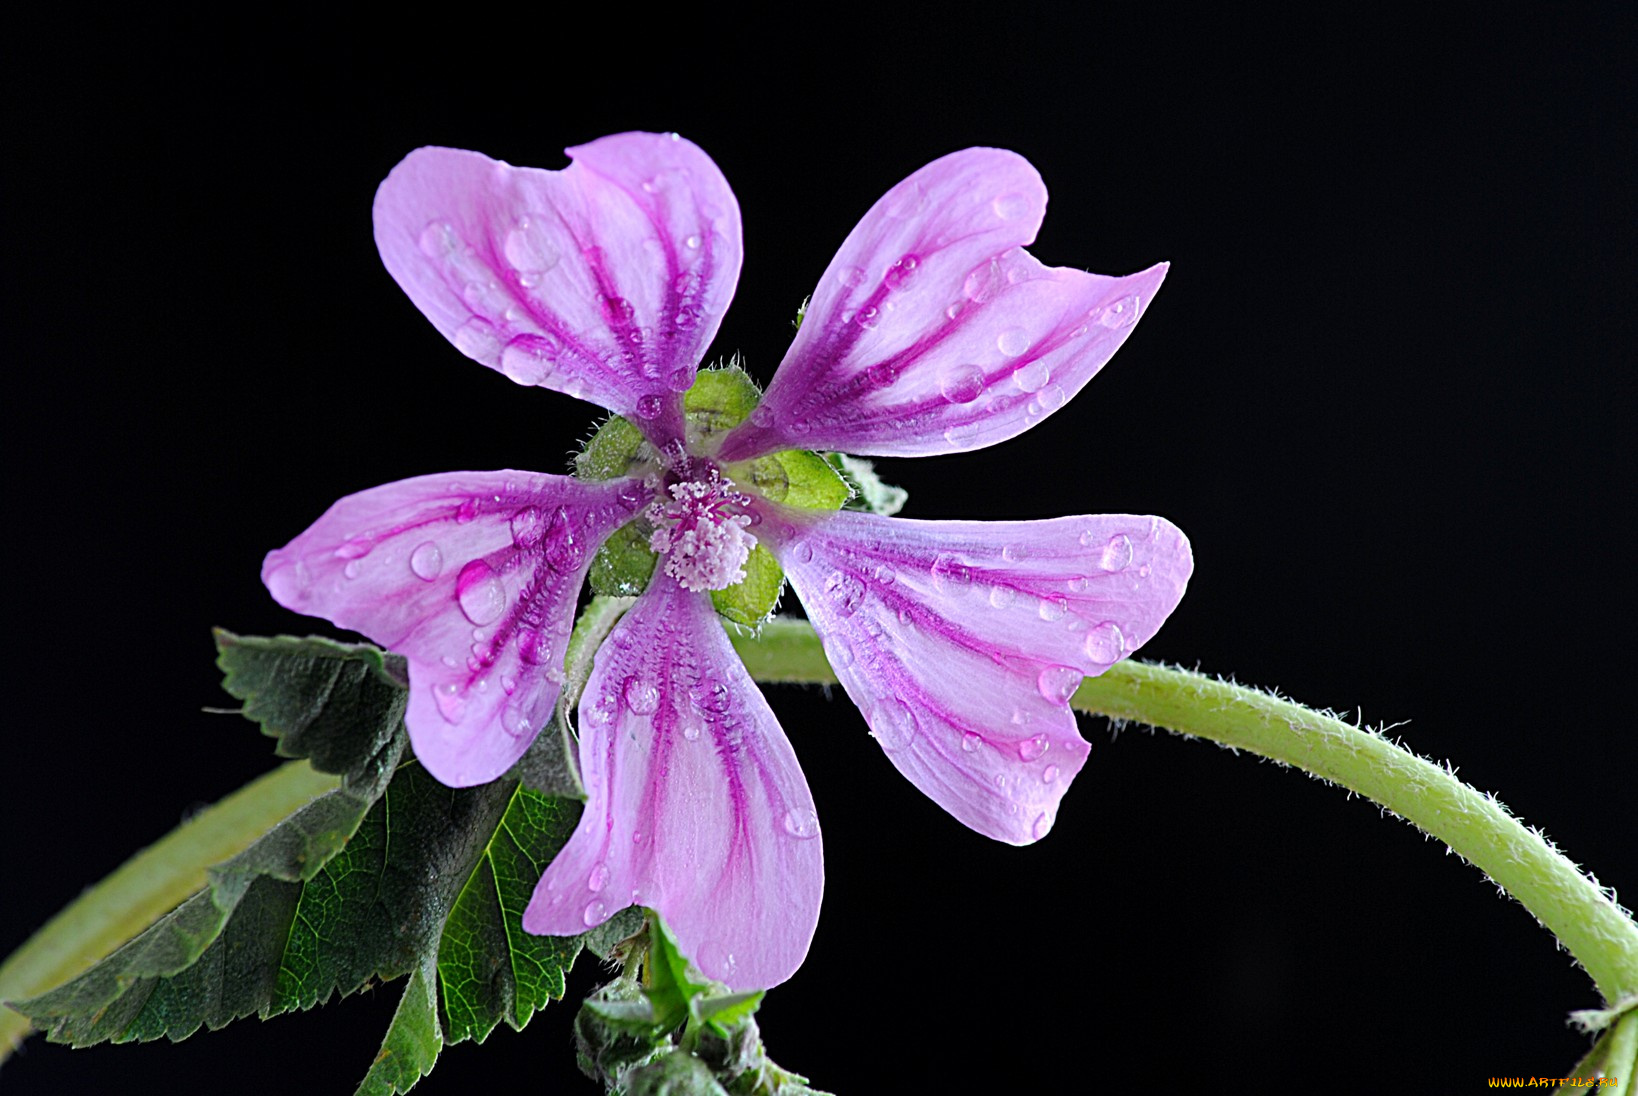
pixel 148 886
pixel 1584 917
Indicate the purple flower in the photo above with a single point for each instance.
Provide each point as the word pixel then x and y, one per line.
pixel 932 331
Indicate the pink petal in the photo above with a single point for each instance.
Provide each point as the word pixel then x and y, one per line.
pixel 933 332
pixel 606 280
pixel 696 806
pixel 961 641
pixel 472 576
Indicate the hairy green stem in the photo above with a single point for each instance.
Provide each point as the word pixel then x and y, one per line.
pixel 148 886
pixel 1585 918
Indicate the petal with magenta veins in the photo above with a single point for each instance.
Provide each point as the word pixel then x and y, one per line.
pixel 473 578
pixel 933 331
pixel 606 280
pixel 961 642
pixel 696 806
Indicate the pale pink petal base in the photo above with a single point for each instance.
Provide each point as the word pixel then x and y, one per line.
pixel 933 331
pixel 473 577
pixel 695 807
pixel 961 642
pixel 606 280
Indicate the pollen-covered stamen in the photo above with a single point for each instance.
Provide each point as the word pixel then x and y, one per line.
pixel 701 533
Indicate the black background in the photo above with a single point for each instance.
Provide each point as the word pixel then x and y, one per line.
pixel 1387 390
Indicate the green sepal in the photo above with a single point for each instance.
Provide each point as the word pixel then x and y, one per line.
pixel 678 1073
pixel 721 398
pixel 869 492
pixel 672 983
pixel 615 449
pixel 751 601
pixel 795 477
pixel 623 565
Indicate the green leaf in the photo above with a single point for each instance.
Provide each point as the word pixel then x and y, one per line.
pixel 869 492
pixel 613 451
pixel 339 705
pixel 749 602
pixel 411 1047
pixel 672 984
pixel 675 1074
pixel 622 566
pixel 727 1011
pixel 363 884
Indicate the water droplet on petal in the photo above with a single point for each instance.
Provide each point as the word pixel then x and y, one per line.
pixel 1014 553
pixel 1052 608
pixel 1002 596
pixel 528 359
pixel 466 511
pixel 438 240
pixel 846 590
pixel 692 243
pixel 1117 554
pixel 528 526
pixel 839 651
pixel 427 561
pixel 971 741
pixel 1010 207
pixel 617 310
pixel 962 384
pixel 649 407
pixel 801 823
pixel 1050 398
pixel 351 570
pixel 1121 313
pixel 1043 825
pixel 1058 683
pixel 480 593
pixel 1032 377
pixel 641 696
pixel 900 272
pixel 803 552
pixel 950 575
pixel 451 704
pixel 1049 774
pixel 717 699
pixel 528 249
pixel 515 722
pixel 595 914
pixel 851 276
pixel 478 340
pixel 601 713
pixel 1012 342
pixel 1032 748
pixel 692 726
pixel 893 724
pixel 598 878
pixel 1105 643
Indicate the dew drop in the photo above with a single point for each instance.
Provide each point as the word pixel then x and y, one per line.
pixel 982 282
pixel 1121 313
pixel 839 651
pixel 1043 825
pixel 1032 377
pixel 882 374
pixel 478 340
pixel 1105 643
pixel 351 570
pixel 1050 398
pixel 846 590
pixel 900 272
pixel 1014 553
pixel 962 384
pixel 528 359
pixel 692 243
pixel 1012 342
pixel 649 407
pixel 1049 774
pixel 884 575
pixel 950 575
pixel 868 318
pixel 617 310
pixel 851 276
pixel 514 721
pixel 1010 207
pixel 599 877
pixel 803 552
pixel 692 725
pixel 427 561
pixel 466 511
pixel 1052 608
pixel 1032 748
pixel 534 647
pixel 801 823
pixel 438 240
pixel 601 713
pixel 641 696
pixel 1117 554
pixel 528 526
pixel 528 249
pixel 717 699
pixel 479 592
pixel 595 914
pixel 971 741
pixel 451 704
pixel 1002 596
pixel 1058 683
pixel 893 724
pixel 355 548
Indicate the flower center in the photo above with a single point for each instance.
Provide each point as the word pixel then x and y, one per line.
pixel 701 533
